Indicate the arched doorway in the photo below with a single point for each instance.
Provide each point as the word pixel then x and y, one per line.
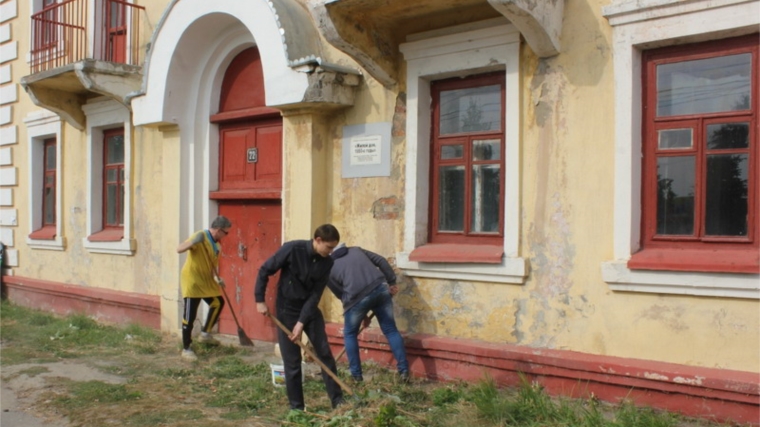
pixel 250 190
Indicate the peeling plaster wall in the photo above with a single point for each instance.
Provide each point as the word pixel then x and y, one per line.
pixel 566 211
pixel 567 144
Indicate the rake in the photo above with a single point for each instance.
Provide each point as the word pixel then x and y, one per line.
pixel 306 350
pixel 244 340
pixel 342 352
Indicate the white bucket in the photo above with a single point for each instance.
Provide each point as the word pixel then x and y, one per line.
pixel 278 374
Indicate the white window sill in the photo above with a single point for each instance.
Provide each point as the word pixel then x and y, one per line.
pixel 730 285
pixel 56 244
pixel 119 247
pixel 511 270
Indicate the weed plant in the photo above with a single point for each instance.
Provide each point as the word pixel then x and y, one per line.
pixel 229 386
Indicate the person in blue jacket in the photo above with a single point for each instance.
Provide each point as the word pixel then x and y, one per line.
pixel 364 281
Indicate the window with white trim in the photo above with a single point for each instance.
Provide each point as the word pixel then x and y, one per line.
pixel 700 158
pixel 45 171
pixel 635 204
pixel 108 178
pixel 488 248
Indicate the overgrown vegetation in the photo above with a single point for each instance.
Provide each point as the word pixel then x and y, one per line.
pixel 230 387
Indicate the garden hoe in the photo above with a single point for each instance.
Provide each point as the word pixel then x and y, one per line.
pixel 324 367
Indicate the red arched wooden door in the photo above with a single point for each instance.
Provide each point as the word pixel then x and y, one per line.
pixel 249 194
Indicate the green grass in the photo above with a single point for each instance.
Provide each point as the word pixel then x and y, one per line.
pixel 228 388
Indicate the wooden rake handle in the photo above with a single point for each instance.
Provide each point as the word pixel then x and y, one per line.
pixel 324 367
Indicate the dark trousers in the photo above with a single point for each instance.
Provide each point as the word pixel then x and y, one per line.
pixel 291 356
pixel 215 305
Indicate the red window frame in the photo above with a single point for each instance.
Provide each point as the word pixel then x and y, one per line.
pixel 118 182
pixel 698 251
pixel 464 138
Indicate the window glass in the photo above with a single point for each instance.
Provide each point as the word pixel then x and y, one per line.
pixel 704 85
pixel 489 149
pixel 675 138
pixel 49 204
pixel 50 156
pixel 452 152
pixel 726 204
pixel 486 184
pixel 111 213
pixel 727 136
pixel 475 109
pixel 451 198
pixel 675 196
pixel 115 149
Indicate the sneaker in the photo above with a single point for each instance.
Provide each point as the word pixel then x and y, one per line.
pixel 405 377
pixel 357 378
pixel 189 354
pixel 208 339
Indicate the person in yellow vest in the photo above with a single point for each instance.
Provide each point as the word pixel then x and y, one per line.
pixel 200 282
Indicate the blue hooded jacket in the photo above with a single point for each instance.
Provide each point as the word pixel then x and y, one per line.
pixel 356 272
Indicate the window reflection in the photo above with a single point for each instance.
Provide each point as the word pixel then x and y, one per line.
pixel 485 198
pixel 451 202
pixel 727 136
pixel 474 109
pixel 726 204
pixel 704 86
pixel 675 195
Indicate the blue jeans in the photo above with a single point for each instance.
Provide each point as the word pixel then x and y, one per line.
pixel 381 303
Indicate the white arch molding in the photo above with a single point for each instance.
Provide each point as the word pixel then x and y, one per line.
pixel 190 51
pixel 191 29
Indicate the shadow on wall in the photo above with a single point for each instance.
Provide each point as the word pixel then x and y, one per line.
pixel 414 316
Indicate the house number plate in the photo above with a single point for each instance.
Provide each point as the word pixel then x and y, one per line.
pixel 253 155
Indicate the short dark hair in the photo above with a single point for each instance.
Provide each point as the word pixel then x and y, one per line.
pixel 327 232
pixel 221 222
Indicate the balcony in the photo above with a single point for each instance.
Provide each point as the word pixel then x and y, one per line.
pixel 83 49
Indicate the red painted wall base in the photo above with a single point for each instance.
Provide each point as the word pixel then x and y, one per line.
pixel 102 304
pixel 715 394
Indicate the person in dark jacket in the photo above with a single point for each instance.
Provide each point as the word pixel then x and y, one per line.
pixel 304 267
pixel 365 281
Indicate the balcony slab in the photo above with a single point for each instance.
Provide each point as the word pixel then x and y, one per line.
pixel 64 90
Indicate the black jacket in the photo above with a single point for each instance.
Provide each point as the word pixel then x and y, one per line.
pixel 303 277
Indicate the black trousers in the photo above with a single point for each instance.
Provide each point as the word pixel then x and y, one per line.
pixel 215 305
pixel 291 356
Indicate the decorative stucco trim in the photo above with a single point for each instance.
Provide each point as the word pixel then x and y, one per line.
pixel 639 25
pixel 621 278
pixel 321 16
pixel 539 22
pixel 460 51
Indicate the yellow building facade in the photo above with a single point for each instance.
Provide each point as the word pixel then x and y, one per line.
pixel 548 181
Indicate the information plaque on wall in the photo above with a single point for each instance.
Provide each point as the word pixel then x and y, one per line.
pixel 366 150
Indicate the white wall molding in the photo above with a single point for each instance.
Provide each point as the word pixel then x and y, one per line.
pixel 447 53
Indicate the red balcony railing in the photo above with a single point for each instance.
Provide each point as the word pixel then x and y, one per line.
pixel 61 35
